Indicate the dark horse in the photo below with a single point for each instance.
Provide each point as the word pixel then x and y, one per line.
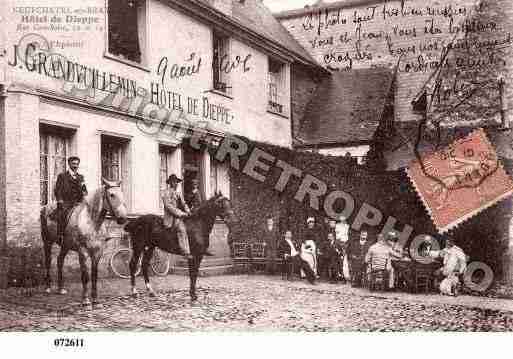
pixel 148 232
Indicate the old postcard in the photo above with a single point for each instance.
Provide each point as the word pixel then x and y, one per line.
pixel 255 166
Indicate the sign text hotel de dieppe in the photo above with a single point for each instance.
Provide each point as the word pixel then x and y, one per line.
pixel 35 53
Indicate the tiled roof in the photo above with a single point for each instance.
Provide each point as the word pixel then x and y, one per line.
pixel 346 107
pixel 254 15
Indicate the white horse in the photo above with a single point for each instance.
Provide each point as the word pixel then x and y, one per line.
pixel 84 234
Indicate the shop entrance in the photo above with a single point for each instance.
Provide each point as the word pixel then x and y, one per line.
pixel 192 169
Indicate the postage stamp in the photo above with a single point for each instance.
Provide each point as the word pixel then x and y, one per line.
pixel 460 180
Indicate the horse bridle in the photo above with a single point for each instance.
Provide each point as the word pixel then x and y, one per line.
pixel 107 199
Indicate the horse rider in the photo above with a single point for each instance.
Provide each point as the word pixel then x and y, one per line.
pixel 193 198
pixel 175 209
pixel 70 190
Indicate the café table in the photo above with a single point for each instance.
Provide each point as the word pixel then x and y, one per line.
pixel 408 273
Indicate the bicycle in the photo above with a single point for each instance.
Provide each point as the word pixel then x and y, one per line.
pixel 120 263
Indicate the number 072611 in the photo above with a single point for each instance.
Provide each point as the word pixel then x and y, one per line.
pixel 68 342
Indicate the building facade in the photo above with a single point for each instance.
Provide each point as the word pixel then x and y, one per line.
pixel 106 80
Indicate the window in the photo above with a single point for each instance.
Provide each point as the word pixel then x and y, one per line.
pixel 221 54
pixel 54 146
pixel 114 162
pixel 127 29
pixel 276 86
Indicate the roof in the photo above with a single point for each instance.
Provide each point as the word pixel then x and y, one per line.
pixel 322 6
pixel 255 16
pixel 346 107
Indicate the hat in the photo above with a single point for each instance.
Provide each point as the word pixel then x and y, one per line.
pixel 393 236
pixel 73 158
pixel 173 178
pixel 310 219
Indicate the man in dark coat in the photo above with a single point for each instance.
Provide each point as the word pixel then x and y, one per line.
pixel 356 251
pixel 193 198
pixel 334 252
pixel 70 190
pixel 324 259
pixel 271 238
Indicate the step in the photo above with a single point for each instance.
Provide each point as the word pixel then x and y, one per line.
pixel 206 271
pixel 207 262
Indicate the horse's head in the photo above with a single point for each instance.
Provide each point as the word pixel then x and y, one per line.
pixel 224 208
pixel 113 200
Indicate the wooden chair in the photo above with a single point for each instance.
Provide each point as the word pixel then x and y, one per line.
pixel 378 273
pixel 422 280
pixel 258 260
pixel 357 269
pixel 240 251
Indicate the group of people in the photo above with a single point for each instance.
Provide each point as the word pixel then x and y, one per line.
pixel 70 190
pixel 320 252
pixel 330 252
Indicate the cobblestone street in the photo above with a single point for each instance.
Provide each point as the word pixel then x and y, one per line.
pixel 250 303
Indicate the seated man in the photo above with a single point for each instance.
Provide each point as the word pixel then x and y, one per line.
pixel 292 258
pixel 381 253
pixel 454 266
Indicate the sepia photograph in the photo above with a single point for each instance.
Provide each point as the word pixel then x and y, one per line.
pixel 255 166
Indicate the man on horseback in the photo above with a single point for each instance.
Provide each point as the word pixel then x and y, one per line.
pixel 175 209
pixel 70 189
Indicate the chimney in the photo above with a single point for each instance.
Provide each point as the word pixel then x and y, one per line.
pixel 225 6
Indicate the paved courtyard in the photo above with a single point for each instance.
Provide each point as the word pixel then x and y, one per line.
pixel 250 303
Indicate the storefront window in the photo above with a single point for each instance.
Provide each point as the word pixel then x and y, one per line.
pixel 115 162
pixel 53 152
pixel 165 169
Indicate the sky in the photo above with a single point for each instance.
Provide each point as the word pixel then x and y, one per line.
pixel 280 5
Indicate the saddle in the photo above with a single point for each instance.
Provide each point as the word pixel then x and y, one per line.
pixel 65 215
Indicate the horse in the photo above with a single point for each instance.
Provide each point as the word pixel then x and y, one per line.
pixel 147 232
pixel 84 234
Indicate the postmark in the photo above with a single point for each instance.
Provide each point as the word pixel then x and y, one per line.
pixel 461 180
